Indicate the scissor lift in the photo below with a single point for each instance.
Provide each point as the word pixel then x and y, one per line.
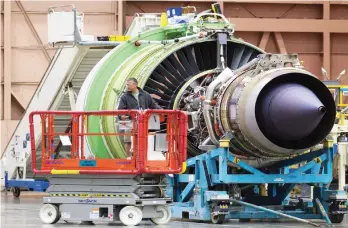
pixel 125 189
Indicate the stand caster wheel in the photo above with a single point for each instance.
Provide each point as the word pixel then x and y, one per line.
pixel 337 218
pixel 131 216
pixel 16 192
pixel 49 213
pixel 218 219
pixel 167 215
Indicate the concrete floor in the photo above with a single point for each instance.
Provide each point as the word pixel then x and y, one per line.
pixel 24 212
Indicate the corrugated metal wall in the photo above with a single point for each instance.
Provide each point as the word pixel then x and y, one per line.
pixel 316 30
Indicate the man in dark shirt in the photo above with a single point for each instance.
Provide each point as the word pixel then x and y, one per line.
pixel 135 98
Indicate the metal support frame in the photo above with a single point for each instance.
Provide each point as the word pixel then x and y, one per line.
pixel 280 42
pixel 194 200
pixel 342 153
pixel 23 106
pixel 32 28
pixel 264 40
pixel 221 2
pixel 218 171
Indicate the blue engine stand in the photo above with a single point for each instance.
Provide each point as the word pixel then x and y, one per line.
pixel 210 191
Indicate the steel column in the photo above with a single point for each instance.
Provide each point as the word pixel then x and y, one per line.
pixel 326 53
pixel 7 60
pixel 326 10
pixel 326 41
pixel 115 6
pixel 121 16
pixel 1 108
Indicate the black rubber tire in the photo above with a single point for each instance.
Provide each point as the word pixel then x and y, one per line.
pixel 337 218
pixel 16 192
pixel 218 219
pixel 87 223
pixel 244 220
pixel 59 215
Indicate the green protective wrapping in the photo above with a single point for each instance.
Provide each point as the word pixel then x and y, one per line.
pixel 129 60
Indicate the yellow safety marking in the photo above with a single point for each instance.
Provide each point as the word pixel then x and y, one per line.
pixel 317 160
pixel 162 192
pixel 70 194
pixel 164 20
pixel 183 169
pixel 84 195
pixel 263 190
pixel 119 38
pixel 337 86
pixel 328 143
pixel 95 195
pixel 60 172
pixel 224 143
pixel 236 160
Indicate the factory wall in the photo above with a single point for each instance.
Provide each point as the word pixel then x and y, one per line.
pixel 316 30
pixel 27 60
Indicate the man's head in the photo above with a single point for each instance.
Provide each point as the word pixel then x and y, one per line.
pixel 132 84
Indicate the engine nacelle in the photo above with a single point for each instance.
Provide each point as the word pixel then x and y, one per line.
pixel 274 111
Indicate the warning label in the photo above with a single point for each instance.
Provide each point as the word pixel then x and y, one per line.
pixel 94 214
pixel 65 215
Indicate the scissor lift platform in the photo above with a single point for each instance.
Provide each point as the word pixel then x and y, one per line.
pixel 129 189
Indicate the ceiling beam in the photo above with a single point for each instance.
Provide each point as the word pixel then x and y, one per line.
pixel 46 12
pixel 289 25
pixel 280 2
pixel 23 83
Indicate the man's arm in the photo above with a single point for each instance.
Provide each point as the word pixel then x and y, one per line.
pixel 122 106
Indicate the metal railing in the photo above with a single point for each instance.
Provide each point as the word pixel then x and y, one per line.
pixel 173 131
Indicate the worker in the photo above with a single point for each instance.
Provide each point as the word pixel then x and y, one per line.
pixel 134 98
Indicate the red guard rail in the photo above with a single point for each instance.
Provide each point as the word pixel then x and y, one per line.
pixel 175 123
pixel 176 130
